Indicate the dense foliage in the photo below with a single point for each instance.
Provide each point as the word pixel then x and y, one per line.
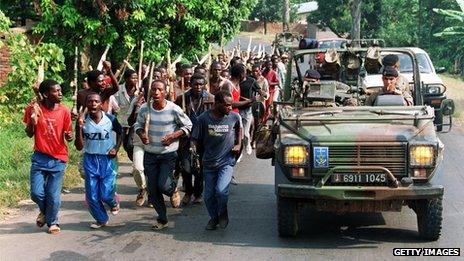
pixel 272 10
pixel 25 58
pixel 184 26
pixel 398 22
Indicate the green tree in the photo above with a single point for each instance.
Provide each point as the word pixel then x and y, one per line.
pixel 272 11
pixel 25 58
pixel 453 35
pixel 184 26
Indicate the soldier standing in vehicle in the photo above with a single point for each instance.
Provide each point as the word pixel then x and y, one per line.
pixel 389 78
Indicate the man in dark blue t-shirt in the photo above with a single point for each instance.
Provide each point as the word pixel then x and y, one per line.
pixel 218 134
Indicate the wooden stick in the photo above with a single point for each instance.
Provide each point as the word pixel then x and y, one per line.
pixel 74 83
pixel 103 58
pixel 204 58
pixel 173 65
pixel 208 67
pixel 249 47
pixel 171 75
pixel 147 116
pixel 122 67
pixel 182 86
pixel 139 80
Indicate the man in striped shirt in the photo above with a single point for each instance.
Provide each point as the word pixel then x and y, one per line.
pixel 167 123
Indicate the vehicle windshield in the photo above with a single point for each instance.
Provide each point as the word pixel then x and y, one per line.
pixel 325 44
pixel 423 62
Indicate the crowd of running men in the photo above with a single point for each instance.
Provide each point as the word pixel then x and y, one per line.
pixel 195 125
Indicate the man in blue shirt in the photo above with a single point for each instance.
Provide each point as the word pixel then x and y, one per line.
pixel 217 134
pixel 94 135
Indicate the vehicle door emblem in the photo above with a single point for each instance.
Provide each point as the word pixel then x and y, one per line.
pixel 321 157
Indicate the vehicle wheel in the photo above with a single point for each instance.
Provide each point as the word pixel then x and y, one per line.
pixel 439 121
pixel 288 217
pixel 429 217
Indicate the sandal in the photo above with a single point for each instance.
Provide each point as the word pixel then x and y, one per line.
pixel 159 226
pixel 54 229
pixel 97 225
pixel 115 210
pixel 40 221
pixel 175 199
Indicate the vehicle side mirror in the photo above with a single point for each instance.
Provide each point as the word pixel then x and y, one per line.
pixel 440 69
pixel 447 107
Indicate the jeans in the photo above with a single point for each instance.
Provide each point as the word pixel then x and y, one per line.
pixel 100 183
pixel 46 180
pixel 217 189
pixel 159 172
pixel 137 171
pixel 197 189
pixel 247 119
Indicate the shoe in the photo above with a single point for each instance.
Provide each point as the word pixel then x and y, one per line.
pixel 175 199
pixel 197 200
pixel 249 150
pixel 239 158
pixel 159 226
pixel 115 210
pixel 223 220
pixel 54 229
pixel 40 221
pixel 141 198
pixel 233 181
pixel 186 200
pixel 212 224
pixel 97 225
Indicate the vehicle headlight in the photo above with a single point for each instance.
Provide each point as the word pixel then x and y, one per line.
pixel 422 156
pixel 435 89
pixel 296 155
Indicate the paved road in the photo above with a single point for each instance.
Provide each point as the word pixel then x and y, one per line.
pixel 252 231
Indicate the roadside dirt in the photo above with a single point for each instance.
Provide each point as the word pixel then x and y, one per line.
pixel 455 91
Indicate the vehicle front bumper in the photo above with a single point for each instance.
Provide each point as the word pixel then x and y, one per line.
pixel 300 191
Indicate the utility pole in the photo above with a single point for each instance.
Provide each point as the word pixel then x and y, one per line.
pixel 286 16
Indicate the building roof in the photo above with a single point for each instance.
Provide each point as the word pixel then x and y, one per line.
pixel 307 7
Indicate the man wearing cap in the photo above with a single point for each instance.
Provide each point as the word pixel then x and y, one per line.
pixel 393 60
pixel 389 78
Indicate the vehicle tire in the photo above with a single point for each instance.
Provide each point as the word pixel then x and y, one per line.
pixel 288 217
pixel 429 218
pixel 439 121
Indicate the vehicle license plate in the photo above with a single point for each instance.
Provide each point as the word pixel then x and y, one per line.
pixel 359 178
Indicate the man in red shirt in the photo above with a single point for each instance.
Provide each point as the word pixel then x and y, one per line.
pixel 273 80
pixel 49 123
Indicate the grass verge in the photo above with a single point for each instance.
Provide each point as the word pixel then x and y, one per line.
pixel 455 91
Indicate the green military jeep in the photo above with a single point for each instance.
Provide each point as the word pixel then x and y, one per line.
pixel 354 158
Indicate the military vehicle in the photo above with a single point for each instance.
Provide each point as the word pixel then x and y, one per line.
pixel 339 158
pixel 286 41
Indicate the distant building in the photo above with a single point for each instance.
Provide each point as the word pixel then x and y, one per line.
pixel 303 9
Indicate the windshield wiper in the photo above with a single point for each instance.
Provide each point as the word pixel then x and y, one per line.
pixel 316 113
pixel 384 112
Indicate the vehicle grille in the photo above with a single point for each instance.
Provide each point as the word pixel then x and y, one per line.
pixel 390 156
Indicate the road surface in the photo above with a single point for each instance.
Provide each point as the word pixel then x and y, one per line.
pixel 252 232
